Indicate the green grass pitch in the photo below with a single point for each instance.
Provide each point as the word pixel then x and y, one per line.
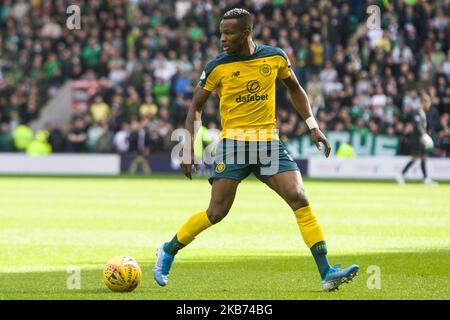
pixel 48 224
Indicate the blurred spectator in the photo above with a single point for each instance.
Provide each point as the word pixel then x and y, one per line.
pixel 317 53
pixel 29 111
pixel 52 66
pixel 444 135
pixel 345 151
pixel 164 69
pixel 22 136
pixel 77 136
pixel 161 90
pixel 39 146
pixel 162 127
pixel 328 76
pixel 91 53
pixel 120 139
pixel 181 84
pixel 138 140
pixel 57 139
pixel 105 141
pixel 132 103
pixel 93 135
pixel 402 54
pixel 437 57
pixel 6 138
pixel 315 90
pixel 99 110
pixel 148 109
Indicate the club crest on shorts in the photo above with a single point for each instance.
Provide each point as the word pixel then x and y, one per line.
pixel 220 167
pixel 265 70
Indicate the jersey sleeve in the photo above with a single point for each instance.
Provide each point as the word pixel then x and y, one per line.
pixel 284 71
pixel 209 78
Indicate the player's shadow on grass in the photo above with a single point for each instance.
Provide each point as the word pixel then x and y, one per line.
pixel 404 275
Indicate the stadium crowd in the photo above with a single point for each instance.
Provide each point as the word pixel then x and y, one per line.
pixel 148 55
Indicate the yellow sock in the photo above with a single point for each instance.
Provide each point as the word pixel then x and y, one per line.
pixel 196 224
pixel 309 227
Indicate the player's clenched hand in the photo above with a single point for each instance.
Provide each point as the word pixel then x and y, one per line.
pixel 187 169
pixel 317 136
pixel 186 166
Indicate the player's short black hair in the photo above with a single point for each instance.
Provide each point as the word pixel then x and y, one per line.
pixel 243 15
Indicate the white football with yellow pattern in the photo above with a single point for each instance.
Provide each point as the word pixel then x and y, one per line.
pixel 122 274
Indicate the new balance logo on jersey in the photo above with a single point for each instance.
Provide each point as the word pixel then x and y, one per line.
pixel 236 74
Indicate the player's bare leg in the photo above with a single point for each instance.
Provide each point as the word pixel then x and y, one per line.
pixel 401 177
pixel 289 186
pixel 423 165
pixel 222 196
pixel 223 193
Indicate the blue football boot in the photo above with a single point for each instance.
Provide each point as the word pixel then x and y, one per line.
pixel 337 276
pixel 162 266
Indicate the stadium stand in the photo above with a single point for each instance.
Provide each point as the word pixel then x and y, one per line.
pixel 147 57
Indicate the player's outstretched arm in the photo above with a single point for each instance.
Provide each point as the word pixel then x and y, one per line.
pixel 300 101
pixel 194 114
